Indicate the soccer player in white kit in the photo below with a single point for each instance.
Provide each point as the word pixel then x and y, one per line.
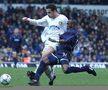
pixel 57 25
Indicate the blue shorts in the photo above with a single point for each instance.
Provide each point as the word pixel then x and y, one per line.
pixel 58 59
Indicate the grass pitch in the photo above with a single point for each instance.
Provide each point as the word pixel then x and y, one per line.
pixel 19 78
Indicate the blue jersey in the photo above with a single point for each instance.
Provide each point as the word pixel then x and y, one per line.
pixel 64 50
pixel 70 38
pixel 16 42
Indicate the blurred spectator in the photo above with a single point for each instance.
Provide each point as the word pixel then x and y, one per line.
pixel 26 57
pixel 16 41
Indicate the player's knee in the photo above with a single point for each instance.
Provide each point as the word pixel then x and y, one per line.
pixel 65 70
pixel 46 61
pixel 44 57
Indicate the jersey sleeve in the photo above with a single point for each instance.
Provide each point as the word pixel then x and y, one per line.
pixel 68 39
pixel 40 22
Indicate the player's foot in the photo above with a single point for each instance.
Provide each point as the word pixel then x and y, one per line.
pixel 52 80
pixel 30 74
pixel 91 71
pixel 34 83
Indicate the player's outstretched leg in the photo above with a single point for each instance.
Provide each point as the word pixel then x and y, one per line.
pixel 67 69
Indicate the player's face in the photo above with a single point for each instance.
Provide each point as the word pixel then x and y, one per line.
pixel 50 13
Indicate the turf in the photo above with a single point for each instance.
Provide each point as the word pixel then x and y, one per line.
pixel 19 78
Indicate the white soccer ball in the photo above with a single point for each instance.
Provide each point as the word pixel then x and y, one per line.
pixel 5 79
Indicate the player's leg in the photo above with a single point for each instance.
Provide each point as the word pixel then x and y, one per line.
pixel 50 73
pixel 49 69
pixel 53 60
pixel 42 66
pixel 68 69
pixel 41 69
pixel 49 48
pixel 37 75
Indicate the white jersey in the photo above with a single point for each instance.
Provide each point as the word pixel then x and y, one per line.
pixel 46 34
pixel 60 23
pixel 54 28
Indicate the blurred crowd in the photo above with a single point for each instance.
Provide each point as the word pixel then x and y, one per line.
pixel 88 2
pixel 17 36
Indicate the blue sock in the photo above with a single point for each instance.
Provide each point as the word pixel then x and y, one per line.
pixel 74 70
pixel 85 68
pixel 40 70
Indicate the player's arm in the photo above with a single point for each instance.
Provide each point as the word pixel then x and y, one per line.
pixel 58 41
pixel 66 40
pixel 39 22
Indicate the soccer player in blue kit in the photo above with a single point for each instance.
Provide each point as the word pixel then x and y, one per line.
pixel 62 56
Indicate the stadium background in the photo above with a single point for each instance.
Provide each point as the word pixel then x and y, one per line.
pixel 92 16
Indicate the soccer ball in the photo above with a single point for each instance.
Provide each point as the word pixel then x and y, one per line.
pixel 5 79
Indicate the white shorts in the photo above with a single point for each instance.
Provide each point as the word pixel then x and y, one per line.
pixel 50 44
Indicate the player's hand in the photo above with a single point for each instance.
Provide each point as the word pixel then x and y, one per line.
pixel 52 40
pixel 25 19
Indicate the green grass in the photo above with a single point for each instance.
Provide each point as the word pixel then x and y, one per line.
pixel 80 79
